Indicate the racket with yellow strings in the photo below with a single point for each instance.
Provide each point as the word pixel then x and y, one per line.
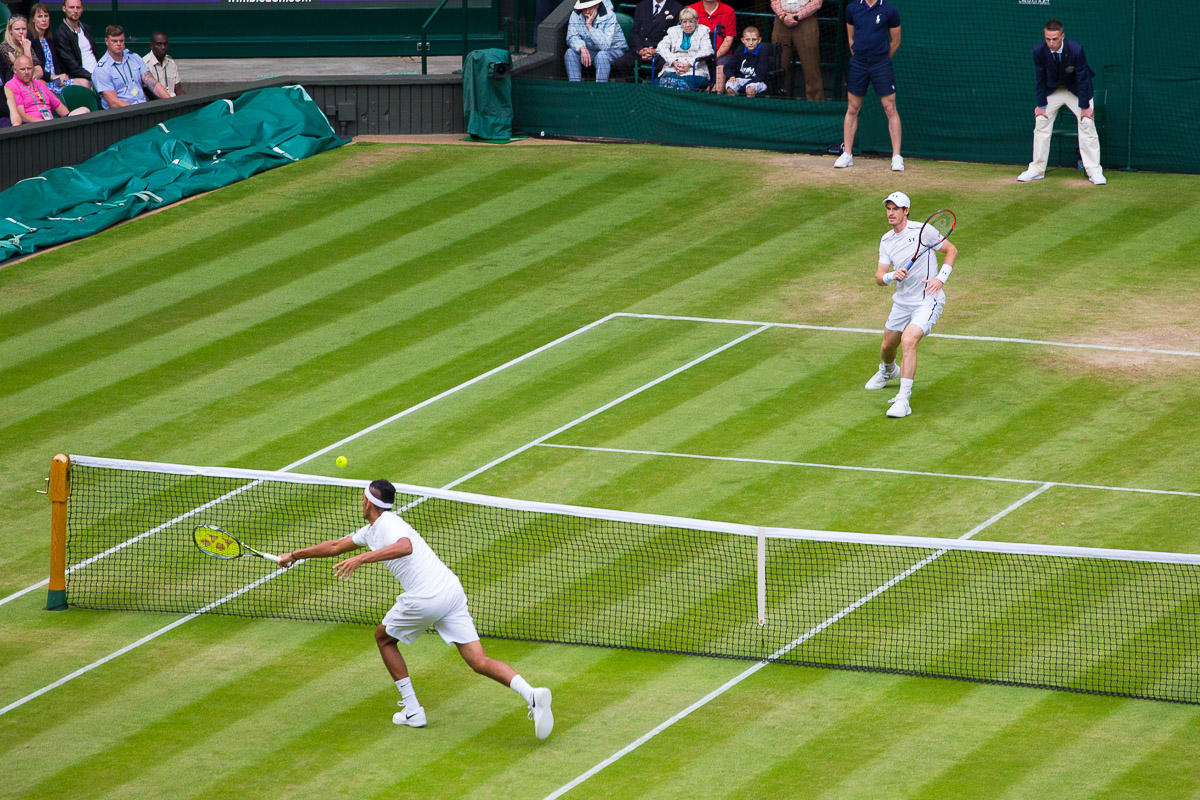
pixel 220 543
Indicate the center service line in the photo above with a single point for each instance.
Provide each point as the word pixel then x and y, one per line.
pixel 732 682
pixel 450 485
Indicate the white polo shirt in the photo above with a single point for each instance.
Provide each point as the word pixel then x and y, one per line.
pixel 897 249
pixel 421 573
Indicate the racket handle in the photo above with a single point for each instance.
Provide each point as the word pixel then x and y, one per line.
pixel 270 557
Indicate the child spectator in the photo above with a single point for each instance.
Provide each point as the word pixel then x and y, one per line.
pixel 750 65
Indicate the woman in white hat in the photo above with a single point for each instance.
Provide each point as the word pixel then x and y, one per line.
pixel 594 38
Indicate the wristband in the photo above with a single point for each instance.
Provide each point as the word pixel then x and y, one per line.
pixel 944 272
pixel 889 278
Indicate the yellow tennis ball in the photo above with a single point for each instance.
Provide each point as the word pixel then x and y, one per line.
pixel 341 461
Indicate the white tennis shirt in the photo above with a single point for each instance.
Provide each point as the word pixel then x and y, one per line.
pixel 897 248
pixel 421 573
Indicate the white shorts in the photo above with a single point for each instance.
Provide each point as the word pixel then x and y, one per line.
pixel 447 612
pixel 739 85
pixel 924 316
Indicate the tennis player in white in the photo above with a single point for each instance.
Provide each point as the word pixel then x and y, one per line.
pixel 433 596
pixel 917 303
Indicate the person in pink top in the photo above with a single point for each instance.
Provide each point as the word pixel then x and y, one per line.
pixel 797 30
pixel 30 100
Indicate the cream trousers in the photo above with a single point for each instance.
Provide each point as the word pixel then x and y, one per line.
pixel 1089 142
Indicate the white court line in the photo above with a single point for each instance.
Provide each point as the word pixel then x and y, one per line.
pixel 450 485
pixel 817 465
pixel 703 701
pixel 878 331
pixel 324 450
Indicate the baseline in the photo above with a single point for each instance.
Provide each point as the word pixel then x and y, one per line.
pixel 878 331
pixel 887 470
pixel 725 687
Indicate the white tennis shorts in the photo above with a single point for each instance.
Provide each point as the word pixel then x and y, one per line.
pixel 925 315
pixel 446 612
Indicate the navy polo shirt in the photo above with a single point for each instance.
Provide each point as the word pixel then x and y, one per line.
pixel 872 26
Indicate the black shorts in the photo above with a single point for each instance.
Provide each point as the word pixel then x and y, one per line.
pixel 875 70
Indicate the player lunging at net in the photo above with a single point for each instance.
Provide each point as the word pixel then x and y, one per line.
pixel 433 596
pixel 918 301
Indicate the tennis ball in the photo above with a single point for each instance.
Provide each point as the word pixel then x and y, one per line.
pixel 340 461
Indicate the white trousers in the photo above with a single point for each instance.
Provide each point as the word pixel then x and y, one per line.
pixel 1089 142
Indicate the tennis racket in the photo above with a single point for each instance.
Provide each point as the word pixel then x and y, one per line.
pixel 934 231
pixel 222 544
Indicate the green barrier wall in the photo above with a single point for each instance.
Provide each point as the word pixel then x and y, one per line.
pixel 965 89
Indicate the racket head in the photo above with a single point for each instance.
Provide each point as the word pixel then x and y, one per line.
pixel 217 542
pixel 942 222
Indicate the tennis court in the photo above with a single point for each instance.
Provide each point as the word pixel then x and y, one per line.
pixel 507 354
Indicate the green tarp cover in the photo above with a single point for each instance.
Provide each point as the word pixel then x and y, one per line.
pixel 487 100
pixel 224 142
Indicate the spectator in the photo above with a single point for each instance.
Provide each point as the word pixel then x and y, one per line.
pixel 750 66
pixel 1063 78
pixel 680 50
pixel 873 29
pixel 46 66
pixel 593 38
pixel 16 42
pixel 74 44
pixel 121 77
pixel 796 29
pixel 29 99
pixel 162 66
pixel 719 18
pixel 651 19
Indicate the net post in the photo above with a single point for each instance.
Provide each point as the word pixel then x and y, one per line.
pixel 60 492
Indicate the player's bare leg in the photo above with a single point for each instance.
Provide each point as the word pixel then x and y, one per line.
pixel 849 130
pixel 391 654
pixel 901 403
pixel 893 118
pixel 538 699
pixel 891 343
pixel 412 714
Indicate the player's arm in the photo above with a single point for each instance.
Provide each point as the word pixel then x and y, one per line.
pixel 326 549
pixel 397 549
pixel 934 285
pixel 884 277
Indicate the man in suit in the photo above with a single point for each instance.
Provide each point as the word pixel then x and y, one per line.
pixel 1063 78
pixel 74 42
pixel 651 18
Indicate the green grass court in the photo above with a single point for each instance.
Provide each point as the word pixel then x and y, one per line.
pixel 255 326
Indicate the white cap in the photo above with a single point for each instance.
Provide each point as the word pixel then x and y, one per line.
pixel 899 198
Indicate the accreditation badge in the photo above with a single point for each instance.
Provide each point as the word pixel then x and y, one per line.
pixel 46 114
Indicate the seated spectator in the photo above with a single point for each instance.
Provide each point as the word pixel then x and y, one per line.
pixel 16 42
pixel 46 67
pixel 29 99
pixel 593 38
pixel 750 65
pixel 121 77
pixel 162 66
pixel 651 19
pixel 719 18
pixel 74 45
pixel 680 49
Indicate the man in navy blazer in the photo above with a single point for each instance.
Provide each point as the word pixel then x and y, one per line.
pixel 1063 77
pixel 650 22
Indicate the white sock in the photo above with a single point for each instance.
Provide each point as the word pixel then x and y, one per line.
pixel 888 367
pixel 522 687
pixel 407 693
pixel 906 385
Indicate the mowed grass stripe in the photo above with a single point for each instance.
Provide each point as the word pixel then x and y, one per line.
pixel 145 270
pixel 321 258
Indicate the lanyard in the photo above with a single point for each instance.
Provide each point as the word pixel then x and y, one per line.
pixel 125 63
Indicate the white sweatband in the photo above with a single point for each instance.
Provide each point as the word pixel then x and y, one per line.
pixel 944 272
pixel 375 501
pixel 889 278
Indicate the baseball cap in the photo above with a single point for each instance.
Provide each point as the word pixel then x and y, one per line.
pixel 899 198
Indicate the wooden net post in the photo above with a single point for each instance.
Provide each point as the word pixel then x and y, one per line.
pixel 60 492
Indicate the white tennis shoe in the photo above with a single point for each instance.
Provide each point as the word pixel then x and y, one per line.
pixel 412 717
pixel 844 160
pixel 1098 178
pixel 1029 175
pixel 900 408
pixel 897 163
pixel 540 713
pixel 880 379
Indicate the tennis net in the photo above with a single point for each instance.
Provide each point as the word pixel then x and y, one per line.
pixel 1115 622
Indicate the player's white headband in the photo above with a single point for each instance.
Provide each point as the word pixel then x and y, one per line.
pixel 375 501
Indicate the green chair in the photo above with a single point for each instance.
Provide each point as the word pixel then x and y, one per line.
pixel 626 23
pixel 74 97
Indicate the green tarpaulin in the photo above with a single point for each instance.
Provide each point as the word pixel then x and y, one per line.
pixel 224 142
pixel 487 95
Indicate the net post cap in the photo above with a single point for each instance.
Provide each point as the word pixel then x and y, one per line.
pixel 899 198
